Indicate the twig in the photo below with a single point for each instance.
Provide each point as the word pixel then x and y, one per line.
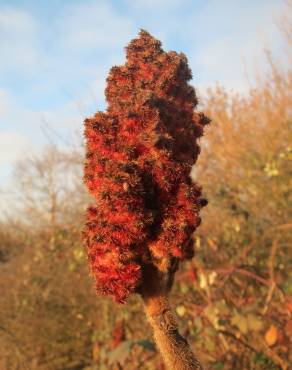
pixel 271 264
pixel 229 334
pixel 239 270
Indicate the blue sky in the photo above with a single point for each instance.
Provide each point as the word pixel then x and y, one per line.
pixel 55 56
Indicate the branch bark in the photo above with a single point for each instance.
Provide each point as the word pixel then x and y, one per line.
pixel 174 348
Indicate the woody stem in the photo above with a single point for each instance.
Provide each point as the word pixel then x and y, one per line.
pixel 175 350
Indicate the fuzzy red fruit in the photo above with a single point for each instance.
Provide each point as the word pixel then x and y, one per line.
pixel 138 162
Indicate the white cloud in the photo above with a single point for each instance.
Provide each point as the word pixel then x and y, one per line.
pixel 13 146
pixel 236 38
pixel 91 25
pixel 22 129
pixel 15 117
pixel 23 132
pixel 18 39
pixel 58 53
pixel 155 5
pixel 5 103
pixel 17 126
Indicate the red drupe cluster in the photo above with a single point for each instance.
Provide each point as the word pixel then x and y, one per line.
pixel 138 162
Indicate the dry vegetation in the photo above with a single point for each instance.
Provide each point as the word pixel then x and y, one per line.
pixel 234 298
